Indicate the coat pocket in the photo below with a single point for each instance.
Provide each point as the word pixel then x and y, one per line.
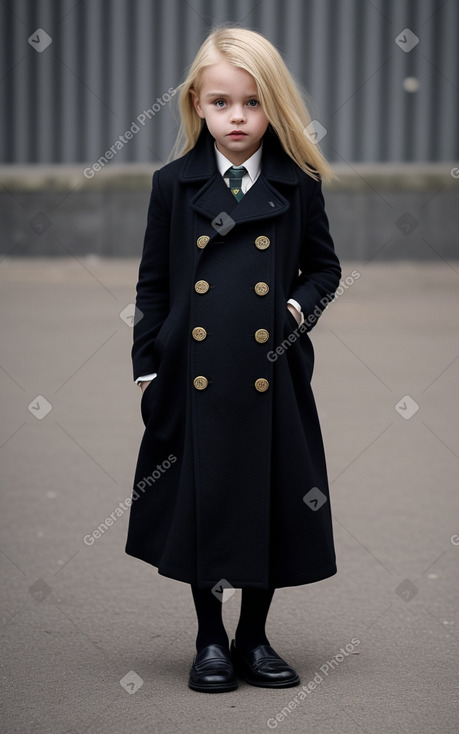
pixel 292 323
pixel 162 337
pixel 145 399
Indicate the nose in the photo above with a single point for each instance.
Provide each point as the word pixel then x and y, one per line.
pixel 237 113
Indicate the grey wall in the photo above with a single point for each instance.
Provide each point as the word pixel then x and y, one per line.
pixel 379 212
pixel 109 60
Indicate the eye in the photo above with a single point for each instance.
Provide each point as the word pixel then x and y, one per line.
pixel 220 103
pixel 253 103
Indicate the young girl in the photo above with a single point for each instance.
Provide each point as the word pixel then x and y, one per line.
pixel 238 264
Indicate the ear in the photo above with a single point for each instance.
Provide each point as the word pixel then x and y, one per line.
pixel 196 104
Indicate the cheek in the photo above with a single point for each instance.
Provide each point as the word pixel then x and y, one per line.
pixel 215 117
pixel 263 123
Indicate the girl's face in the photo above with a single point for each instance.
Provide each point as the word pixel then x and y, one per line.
pixel 229 104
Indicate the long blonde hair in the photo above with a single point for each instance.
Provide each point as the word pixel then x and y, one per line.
pixel 279 94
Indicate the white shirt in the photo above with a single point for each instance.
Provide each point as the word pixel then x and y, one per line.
pixel 252 164
pixel 253 167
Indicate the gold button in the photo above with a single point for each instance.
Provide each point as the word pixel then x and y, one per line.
pixel 262 242
pixel 202 241
pixel 200 382
pixel 199 333
pixel 261 384
pixel 261 336
pixel 261 289
pixel 201 286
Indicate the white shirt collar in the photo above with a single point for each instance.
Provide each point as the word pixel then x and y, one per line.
pixel 252 164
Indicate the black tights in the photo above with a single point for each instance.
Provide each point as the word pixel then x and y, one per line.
pixel 250 630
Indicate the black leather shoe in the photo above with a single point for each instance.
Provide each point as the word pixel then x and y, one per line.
pixel 263 667
pixel 212 670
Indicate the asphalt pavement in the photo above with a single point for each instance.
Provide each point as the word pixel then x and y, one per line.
pixel 93 640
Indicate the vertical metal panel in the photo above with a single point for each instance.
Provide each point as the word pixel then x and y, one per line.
pixel 143 68
pixel 111 59
pixel 399 101
pixel 421 130
pixel 66 60
pixel 369 114
pixel 347 44
pixel 94 41
pixel 448 64
pixel 19 77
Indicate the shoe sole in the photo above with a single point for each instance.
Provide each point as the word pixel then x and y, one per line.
pixel 240 672
pixel 212 688
pixel 270 684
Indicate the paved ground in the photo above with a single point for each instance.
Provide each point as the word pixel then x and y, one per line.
pixel 77 619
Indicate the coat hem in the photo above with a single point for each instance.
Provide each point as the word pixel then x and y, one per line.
pixel 297 580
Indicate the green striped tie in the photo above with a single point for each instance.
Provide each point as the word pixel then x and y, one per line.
pixel 235 174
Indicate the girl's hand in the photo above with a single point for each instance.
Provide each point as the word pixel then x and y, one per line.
pixel 294 311
pixel 144 384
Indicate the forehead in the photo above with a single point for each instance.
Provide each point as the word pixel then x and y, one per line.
pixel 222 76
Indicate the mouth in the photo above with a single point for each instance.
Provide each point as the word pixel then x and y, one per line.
pixel 236 134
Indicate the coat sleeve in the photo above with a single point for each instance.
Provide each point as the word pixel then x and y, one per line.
pixel 152 301
pixel 320 268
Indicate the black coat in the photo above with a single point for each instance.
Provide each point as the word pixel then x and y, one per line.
pixel 226 459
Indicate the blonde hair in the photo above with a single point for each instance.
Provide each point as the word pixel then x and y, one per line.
pixel 280 96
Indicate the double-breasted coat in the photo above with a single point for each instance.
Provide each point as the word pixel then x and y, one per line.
pixel 232 441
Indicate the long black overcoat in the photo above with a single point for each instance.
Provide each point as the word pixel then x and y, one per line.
pixel 232 441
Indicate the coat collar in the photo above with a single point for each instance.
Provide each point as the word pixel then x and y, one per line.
pixel 276 164
pixel 262 201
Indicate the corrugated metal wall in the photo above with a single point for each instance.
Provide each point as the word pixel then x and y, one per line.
pixel 110 60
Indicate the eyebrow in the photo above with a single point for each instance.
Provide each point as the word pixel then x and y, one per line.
pixel 225 94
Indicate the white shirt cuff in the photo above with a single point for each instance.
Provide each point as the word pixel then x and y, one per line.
pixel 145 378
pixel 298 308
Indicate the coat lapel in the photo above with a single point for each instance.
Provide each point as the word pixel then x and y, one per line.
pixel 262 201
